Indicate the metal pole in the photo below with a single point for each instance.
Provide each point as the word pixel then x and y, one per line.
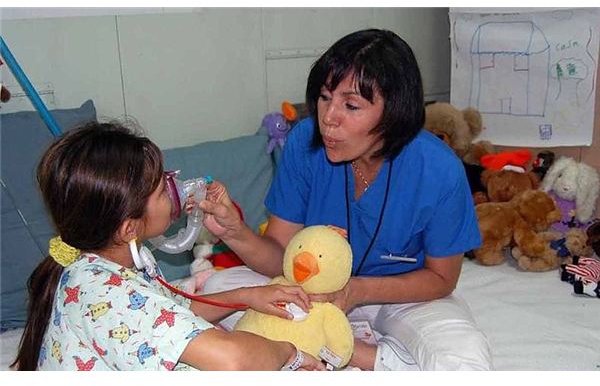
pixel 26 85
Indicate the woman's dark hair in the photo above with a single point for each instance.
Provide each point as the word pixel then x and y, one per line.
pixel 92 179
pixel 381 60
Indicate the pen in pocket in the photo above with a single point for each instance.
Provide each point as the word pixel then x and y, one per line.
pixel 402 258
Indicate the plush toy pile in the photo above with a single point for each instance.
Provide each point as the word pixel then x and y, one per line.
pixel 319 259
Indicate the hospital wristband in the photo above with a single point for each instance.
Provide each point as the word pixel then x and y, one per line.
pixel 296 363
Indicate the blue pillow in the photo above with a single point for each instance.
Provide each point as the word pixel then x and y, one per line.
pixel 241 163
pixel 25 225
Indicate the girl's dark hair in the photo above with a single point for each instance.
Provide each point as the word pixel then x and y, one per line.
pixel 381 60
pixel 92 179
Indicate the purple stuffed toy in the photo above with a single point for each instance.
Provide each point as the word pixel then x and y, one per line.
pixel 278 125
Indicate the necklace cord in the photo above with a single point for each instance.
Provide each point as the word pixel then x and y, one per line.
pixel 365 182
pixel 379 221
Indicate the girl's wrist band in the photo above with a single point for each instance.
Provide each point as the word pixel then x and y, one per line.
pixel 296 363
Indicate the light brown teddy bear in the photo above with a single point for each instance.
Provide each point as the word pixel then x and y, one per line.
pixel 458 129
pixel 515 223
pixel 562 246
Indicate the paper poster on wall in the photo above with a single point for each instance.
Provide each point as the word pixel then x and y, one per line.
pixel 532 75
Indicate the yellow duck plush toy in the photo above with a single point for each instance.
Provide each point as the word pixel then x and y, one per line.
pixel 319 259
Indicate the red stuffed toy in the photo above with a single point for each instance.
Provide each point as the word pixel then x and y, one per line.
pixel 223 257
pixel 508 160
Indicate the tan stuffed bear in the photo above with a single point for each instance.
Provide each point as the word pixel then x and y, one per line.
pixel 562 249
pixel 517 222
pixel 503 185
pixel 505 174
pixel 458 129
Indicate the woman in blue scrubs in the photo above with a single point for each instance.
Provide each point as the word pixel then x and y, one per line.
pixel 363 162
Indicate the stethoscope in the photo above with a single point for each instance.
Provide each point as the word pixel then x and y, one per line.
pixel 379 221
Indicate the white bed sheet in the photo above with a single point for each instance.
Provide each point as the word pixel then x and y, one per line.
pixel 533 320
pixel 9 341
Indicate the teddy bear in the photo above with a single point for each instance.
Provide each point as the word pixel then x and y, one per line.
pixel 458 128
pixel 575 187
pixel 505 175
pixel 319 259
pixel 515 223
pixel 563 249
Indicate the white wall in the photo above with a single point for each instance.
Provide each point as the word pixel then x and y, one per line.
pixel 204 73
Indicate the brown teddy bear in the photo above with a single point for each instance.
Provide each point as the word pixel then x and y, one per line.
pixel 517 222
pixel 505 175
pixel 458 128
pixel 563 247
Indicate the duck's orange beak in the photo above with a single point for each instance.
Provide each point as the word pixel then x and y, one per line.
pixel 305 267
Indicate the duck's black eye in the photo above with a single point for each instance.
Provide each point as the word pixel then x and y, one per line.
pixel 300 246
pixel 320 256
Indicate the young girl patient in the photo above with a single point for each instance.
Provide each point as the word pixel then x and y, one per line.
pixel 90 308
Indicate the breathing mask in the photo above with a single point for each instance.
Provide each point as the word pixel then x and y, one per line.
pixel 179 192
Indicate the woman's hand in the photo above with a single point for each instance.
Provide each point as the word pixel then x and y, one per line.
pixel 221 217
pixel 271 299
pixel 343 298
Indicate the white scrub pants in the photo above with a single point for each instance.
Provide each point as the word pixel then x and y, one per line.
pixel 436 335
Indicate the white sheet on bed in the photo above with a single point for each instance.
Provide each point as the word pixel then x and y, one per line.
pixel 533 320
pixel 9 341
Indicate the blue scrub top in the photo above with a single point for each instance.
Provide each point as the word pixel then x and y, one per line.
pixel 429 210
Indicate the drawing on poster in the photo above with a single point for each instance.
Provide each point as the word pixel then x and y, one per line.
pixel 521 61
pixel 532 76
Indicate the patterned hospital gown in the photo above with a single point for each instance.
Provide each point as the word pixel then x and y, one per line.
pixel 108 317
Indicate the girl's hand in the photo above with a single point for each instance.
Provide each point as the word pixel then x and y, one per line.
pixel 309 363
pixel 271 299
pixel 221 217
pixel 343 298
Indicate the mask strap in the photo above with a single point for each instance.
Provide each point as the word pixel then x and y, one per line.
pixel 172 190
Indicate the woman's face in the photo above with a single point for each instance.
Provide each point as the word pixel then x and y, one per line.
pixel 158 212
pixel 345 120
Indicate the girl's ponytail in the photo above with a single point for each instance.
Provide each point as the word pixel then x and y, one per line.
pixel 42 285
